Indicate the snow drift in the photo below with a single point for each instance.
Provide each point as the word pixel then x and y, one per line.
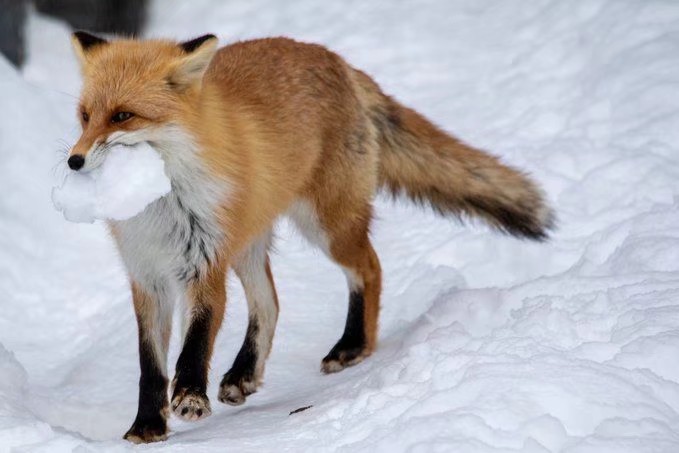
pixel 486 343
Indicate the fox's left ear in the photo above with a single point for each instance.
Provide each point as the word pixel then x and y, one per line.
pixel 83 42
pixel 196 56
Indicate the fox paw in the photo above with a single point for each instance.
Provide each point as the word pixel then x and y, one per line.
pixel 340 358
pixel 233 390
pixel 147 431
pixel 190 404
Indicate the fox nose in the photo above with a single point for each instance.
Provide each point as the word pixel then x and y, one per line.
pixel 76 162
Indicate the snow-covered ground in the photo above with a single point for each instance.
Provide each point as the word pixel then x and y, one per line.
pixel 486 343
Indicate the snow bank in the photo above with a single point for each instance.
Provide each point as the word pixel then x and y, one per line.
pixel 487 344
pixel 129 179
pixel 17 424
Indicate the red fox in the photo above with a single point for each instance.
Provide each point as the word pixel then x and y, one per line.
pixel 250 132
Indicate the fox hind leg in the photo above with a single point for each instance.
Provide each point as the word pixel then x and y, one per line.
pixel 355 255
pixel 345 240
pixel 245 375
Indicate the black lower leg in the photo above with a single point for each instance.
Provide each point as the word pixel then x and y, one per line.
pixel 189 400
pixel 150 423
pixel 243 368
pixel 353 341
pixel 192 365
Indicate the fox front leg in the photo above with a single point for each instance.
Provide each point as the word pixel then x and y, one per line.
pixel 154 320
pixel 207 299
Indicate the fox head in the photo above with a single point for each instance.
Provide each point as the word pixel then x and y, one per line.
pixel 133 90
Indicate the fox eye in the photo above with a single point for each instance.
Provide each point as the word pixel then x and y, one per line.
pixel 119 117
pixel 84 116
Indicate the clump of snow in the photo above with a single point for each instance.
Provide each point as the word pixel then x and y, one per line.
pixel 129 179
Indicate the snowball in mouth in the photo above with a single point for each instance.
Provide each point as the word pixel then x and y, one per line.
pixel 129 179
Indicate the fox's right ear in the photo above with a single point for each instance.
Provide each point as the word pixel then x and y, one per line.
pixel 83 42
pixel 196 56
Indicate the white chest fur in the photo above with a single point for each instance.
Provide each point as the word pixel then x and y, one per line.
pixel 176 237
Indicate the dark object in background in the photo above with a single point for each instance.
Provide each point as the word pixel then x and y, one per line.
pixel 124 17
pixel 12 19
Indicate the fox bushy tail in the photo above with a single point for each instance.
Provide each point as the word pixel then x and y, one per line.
pixel 431 167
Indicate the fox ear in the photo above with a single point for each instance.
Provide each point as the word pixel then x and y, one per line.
pixel 190 46
pixel 83 42
pixel 197 54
